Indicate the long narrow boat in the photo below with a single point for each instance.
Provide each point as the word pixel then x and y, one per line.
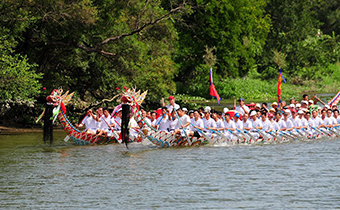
pixel 77 136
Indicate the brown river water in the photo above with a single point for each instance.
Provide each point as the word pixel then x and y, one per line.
pixel 294 175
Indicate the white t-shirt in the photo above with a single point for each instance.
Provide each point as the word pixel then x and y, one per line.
pixel 329 121
pixel 240 110
pixel 199 123
pixel 219 124
pixel 103 124
pixel 289 124
pixel 163 123
pixel 239 124
pixel 229 125
pixel 256 123
pixel 247 124
pixel 296 122
pixel 184 119
pixel 89 122
pixel 318 121
pixel 170 107
pixel 275 126
pixel 173 124
pixel 266 125
pixel 209 124
pixel 282 124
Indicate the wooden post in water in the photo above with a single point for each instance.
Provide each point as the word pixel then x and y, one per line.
pixel 48 127
pixel 125 123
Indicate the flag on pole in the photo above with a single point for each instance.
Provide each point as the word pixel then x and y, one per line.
pixel 213 91
pixel 279 85
pixel 334 100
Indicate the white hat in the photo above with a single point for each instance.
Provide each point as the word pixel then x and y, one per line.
pixel 184 109
pixel 311 101
pixel 287 111
pixel 207 109
pixel 298 105
pixel 319 107
pixel 292 105
pixel 327 106
pixel 225 110
pixel 300 112
pixel 258 105
pixel 304 102
pixel 252 113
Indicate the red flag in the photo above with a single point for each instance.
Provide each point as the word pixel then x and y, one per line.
pixel 279 86
pixel 213 91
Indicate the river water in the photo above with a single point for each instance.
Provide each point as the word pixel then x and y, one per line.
pixel 296 175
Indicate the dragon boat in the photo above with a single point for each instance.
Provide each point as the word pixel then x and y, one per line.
pixel 59 101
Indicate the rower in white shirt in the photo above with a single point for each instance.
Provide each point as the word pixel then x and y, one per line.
pixel 197 123
pixel 172 104
pixel 229 127
pixel 242 108
pixel 163 121
pixel 209 123
pixel 89 122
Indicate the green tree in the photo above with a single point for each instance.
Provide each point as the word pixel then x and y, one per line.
pixel 237 29
pixel 17 76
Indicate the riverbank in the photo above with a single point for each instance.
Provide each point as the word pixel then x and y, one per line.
pixel 14 130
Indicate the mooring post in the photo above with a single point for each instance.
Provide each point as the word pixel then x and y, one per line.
pixel 48 127
pixel 125 123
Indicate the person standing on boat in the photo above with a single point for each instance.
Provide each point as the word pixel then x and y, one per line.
pixel 89 122
pixel 242 108
pixel 172 104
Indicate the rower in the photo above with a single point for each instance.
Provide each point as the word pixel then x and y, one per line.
pixel 172 104
pixel 317 120
pixel 163 121
pixel 256 123
pixel 153 120
pixel 246 122
pixel 229 125
pixel 266 124
pixel 209 123
pixel 287 121
pixel 197 123
pixel 242 108
pixel 105 124
pixel 184 122
pixel 173 122
pixel 89 122
pixel 329 121
pixel 336 116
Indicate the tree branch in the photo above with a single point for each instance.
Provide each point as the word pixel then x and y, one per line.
pixel 97 47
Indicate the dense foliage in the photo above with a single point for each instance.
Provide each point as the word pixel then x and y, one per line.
pixel 93 47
